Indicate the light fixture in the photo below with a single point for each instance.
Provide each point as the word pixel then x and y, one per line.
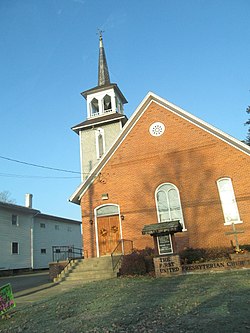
pixel 122 217
pixel 91 222
pixel 105 196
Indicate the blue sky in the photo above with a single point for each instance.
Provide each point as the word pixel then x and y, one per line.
pixel 194 53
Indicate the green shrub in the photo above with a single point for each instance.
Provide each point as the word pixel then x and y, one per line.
pixel 245 247
pixel 190 255
pixel 139 262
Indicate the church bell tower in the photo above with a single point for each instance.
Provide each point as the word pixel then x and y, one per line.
pixel 105 117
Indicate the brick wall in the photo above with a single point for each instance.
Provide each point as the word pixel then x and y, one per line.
pixel 186 156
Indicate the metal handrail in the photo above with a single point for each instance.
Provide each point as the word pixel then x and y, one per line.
pixel 62 253
pixel 121 250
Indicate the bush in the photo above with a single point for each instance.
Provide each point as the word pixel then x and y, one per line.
pixel 245 247
pixel 190 255
pixel 139 262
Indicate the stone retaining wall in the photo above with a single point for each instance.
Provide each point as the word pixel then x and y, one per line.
pixel 170 265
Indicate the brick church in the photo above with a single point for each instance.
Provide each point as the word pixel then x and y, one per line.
pixel 163 165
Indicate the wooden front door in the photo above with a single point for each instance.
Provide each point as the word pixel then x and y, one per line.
pixel 108 233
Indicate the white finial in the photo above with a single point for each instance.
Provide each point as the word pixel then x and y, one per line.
pixel 100 32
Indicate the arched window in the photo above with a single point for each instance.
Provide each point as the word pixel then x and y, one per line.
pixel 168 203
pixel 107 210
pixel 94 107
pixel 100 145
pixel 228 201
pixel 107 105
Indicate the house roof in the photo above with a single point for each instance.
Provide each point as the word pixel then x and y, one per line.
pixel 151 97
pixel 35 212
pixel 18 208
pixel 57 218
pixel 108 118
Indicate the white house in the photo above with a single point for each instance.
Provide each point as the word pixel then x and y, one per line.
pixel 27 236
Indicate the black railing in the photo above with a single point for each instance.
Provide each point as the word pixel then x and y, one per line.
pixel 62 253
pixel 124 246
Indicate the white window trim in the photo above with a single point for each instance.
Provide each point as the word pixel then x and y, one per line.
pixel 17 220
pixel 158 214
pixel 239 221
pixel 99 131
pixel 96 227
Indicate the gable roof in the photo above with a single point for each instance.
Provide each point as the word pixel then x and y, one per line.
pixel 149 98
pixel 35 212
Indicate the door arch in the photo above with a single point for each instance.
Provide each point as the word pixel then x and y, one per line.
pixel 108 228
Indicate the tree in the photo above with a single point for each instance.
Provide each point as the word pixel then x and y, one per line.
pixel 5 196
pixel 247 141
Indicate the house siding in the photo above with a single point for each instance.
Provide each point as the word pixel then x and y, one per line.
pixel 31 238
pixel 45 238
pixel 11 233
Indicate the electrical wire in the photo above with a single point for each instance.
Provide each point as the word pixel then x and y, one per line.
pixel 11 175
pixel 39 166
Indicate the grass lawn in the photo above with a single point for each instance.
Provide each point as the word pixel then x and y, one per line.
pixel 218 302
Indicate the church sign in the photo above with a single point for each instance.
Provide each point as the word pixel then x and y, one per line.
pixel 6 299
pixel 170 265
pixel 164 244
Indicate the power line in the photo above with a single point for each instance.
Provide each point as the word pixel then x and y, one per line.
pixel 38 166
pixel 11 175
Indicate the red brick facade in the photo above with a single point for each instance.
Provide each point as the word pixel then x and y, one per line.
pixel 186 155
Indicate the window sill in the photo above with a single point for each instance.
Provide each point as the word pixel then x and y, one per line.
pixel 236 222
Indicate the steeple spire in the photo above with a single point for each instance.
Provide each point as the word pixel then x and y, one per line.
pixel 103 72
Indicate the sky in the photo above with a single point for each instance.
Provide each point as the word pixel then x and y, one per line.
pixel 194 53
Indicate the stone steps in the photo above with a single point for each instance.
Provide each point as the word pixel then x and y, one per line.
pixel 87 270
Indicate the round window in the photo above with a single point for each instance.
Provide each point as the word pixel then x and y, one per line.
pixel 157 129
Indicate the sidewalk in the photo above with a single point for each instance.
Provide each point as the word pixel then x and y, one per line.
pixel 40 293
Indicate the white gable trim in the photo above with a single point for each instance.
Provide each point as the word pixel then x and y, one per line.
pixel 149 98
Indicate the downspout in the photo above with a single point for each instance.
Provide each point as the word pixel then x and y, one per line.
pixel 32 240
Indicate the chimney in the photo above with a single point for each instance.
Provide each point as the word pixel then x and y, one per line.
pixel 28 200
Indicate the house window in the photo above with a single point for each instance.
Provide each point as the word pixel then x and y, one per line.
pixel 69 229
pixel 14 220
pixel 168 204
pixel 42 225
pixel 43 251
pixel 15 248
pixel 228 201
pixel 57 227
pixel 100 142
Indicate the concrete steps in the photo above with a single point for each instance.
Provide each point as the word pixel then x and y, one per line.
pixel 87 270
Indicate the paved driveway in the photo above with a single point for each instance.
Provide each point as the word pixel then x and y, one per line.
pixel 26 281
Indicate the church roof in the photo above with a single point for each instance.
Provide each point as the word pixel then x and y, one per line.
pixel 109 118
pixel 150 98
pixel 103 75
pixel 105 87
pixel 103 72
